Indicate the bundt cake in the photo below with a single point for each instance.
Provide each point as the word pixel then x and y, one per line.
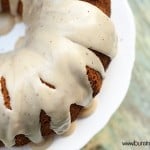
pixel 58 68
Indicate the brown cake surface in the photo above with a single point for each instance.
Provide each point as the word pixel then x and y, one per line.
pixel 94 77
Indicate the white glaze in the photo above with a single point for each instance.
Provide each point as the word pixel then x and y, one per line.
pixel 86 112
pixel 13 6
pixel 43 145
pixel 55 49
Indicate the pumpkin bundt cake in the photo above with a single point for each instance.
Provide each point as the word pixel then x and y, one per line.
pixel 58 68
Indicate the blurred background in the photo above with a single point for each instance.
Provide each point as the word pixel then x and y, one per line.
pixel 132 120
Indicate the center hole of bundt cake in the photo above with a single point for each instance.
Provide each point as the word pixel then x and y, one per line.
pixel 11 29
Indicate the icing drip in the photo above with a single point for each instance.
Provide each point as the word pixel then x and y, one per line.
pixel 54 50
pixel 43 145
pixel 13 6
pixel 86 112
pixel 71 129
pixel 6 23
